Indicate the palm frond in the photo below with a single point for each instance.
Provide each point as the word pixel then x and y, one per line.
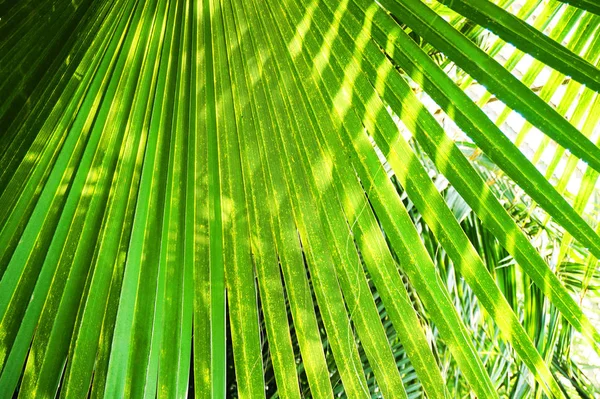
pixel 184 180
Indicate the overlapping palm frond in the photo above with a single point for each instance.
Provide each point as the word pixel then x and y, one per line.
pixel 181 179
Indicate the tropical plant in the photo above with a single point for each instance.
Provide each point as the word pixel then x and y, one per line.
pixel 279 181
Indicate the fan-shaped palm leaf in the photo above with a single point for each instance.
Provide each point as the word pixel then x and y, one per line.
pixel 174 170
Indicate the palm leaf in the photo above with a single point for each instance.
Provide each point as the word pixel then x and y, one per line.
pixel 176 172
